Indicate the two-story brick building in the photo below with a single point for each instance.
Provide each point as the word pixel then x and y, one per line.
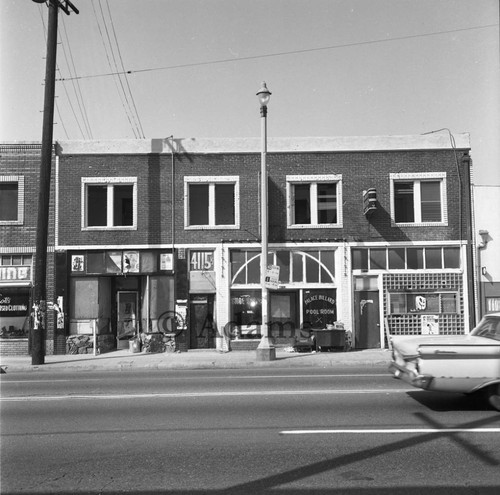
pixel 19 179
pixel 371 231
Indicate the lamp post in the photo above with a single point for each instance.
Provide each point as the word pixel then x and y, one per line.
pixel 266 350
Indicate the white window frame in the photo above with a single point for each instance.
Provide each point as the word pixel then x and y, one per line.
pixel 211 181
pixel 109 182
pixel 417 179
pixel 314 180
pixel 20 198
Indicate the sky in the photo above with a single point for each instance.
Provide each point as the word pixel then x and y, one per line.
pixel 190 68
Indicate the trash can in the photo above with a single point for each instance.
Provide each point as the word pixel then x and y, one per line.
pixel 329 339
pixel 134 345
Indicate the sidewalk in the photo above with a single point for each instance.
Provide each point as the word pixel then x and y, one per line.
pixel 125 360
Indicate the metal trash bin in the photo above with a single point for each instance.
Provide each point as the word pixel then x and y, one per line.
pixel 329 339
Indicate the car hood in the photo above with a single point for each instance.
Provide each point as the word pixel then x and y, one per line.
pixel 408 346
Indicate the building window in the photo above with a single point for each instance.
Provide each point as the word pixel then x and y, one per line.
pixel 414 258
pixel 211 202
pixel 423 302
pixel 295 267
pixel 314 201
pixel 11 200
pixel 419 199
pixel 109 203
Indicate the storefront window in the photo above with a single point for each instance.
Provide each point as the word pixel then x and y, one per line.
pixel 14 313
pixel 246 311
pixel 425 303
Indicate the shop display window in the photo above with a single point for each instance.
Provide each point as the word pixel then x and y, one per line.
pixel 14 312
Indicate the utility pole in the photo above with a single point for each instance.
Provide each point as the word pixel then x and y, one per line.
pixel 40 289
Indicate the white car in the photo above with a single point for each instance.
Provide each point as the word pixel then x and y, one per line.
pixel 452 363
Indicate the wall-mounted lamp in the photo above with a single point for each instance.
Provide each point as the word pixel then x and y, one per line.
pixel 485 237
pixel 484 271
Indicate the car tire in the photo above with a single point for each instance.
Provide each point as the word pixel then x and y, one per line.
pixel 494 396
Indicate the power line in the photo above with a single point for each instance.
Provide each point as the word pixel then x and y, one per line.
pixel 76 88
pixel 112 63
pixel 281 54
pixel 136 113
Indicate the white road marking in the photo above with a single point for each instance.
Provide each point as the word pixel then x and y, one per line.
pixel 229 377
pixel 395 430
pixel 196 394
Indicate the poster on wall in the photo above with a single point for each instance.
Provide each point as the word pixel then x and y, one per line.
pixel 166 261
pixel 130 261
pixel 429 324
pixel 77 263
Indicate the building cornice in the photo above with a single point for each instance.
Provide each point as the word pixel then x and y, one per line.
pixel 437 141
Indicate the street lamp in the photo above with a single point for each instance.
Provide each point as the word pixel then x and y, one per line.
pixel 265 351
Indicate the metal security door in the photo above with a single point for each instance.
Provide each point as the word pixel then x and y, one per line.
pixel 366 314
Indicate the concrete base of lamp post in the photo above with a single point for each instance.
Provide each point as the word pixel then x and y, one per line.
pixel 266 350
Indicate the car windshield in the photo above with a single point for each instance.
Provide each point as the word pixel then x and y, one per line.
pixel 488 327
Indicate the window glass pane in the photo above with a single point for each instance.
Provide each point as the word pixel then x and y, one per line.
pixel 433 258
pixel 298 267
pixel 327 203
pixel 398 303
pixel 148 262
pixel 302 206
pixel 198 204
pixel 246 307
pixel 237 261
pixel 224 204
pixel 15 313
pixel 432 303
pixel 360 259
pixel 283 261
pixel 415 258
pixel 449 303
pixel 403 202
pixel 253 268
pixel 378 259
pixel 123 205
pixel 17 259
pixel 9 192
pixel 328 260
pixel 312 267
pixel 430 195
pixel 396 259
pixel 97 206
pixel 451 257
pixel 96 262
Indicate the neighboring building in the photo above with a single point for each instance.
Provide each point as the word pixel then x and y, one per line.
pixel 19 178
pixel 373 232
pixel 487 207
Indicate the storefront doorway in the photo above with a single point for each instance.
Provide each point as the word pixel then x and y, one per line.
pixel 126 316
pixel 283 314
pixel 366 317
pixel 201 321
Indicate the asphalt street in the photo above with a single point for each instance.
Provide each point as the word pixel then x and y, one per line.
pixel 303 430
